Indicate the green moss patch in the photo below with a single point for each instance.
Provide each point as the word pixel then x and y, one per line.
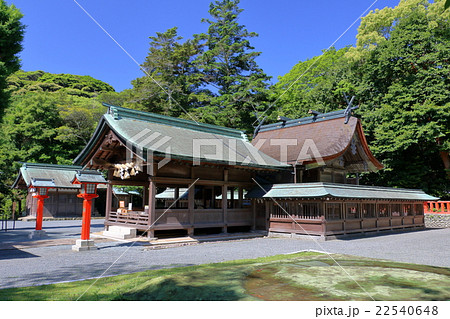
pixel 302 276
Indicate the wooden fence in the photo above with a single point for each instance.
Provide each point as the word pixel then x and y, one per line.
pixel 438 207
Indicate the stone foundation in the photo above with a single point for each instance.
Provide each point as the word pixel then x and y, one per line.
pixel 437 220
pixel 84 245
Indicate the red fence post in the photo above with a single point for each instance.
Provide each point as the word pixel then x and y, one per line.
pixel 425 207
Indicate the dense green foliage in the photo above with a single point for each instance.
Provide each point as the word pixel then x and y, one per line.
pixel 313 84
pixel 399 72
pixel 212 78
pixel 170 86
pixel 39 81
pixel 11 35
pixel 405 85
pixel 228 69
pixel 49 119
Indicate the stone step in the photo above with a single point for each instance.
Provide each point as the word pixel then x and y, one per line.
pixel 120 232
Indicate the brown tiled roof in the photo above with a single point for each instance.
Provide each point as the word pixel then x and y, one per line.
pixel 331 137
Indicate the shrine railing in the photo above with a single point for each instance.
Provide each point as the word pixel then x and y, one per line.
pixel 437 207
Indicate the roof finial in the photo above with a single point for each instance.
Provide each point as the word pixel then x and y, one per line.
pixel 283 119
pixel 315 114
pixel 261 122
pixel 349 109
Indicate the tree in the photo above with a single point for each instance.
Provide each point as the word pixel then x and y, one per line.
pixel 237 86
pixel 79 118
pixel 398 72
pixel 11 36
pixel 23 82
pixel 404 85
pixel 170 85
pixel 318 83
pixel 30 128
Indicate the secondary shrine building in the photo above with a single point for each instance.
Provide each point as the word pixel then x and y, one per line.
pixel 293 178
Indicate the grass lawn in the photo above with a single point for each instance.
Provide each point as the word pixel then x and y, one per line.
pixel 302 276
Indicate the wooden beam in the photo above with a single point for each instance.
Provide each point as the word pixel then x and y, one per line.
pixel 110 149
pixel 187 181
pixel 95 161
pixel 128 183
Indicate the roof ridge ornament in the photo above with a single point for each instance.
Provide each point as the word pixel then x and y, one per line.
pixel 283 119
pixel 349 109
pixel 315 114
pixel 258 127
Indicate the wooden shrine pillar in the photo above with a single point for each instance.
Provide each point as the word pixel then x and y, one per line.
pixel 191 208
pixel 225 201
pixel 177 197
pixel 108 205
pixel 240 196
pixel 225 208
pixel 253 201
pixel 109 194
pixel 231 197
pixel 151 208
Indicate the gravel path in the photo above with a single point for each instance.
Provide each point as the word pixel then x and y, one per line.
pixel 43 265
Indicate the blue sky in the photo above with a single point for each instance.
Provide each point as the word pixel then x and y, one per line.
pixel 61 38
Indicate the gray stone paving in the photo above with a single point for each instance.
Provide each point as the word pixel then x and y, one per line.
pixel 43 265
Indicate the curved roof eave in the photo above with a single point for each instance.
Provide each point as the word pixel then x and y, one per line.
pixel 79 160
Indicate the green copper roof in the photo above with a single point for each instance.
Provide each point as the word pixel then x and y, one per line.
pixel 319 190
pixel 179 139
pixel 304 120
pixel 89 176
pixel 61 175
pixel 118 113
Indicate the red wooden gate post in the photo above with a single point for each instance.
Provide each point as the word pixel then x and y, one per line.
pixel 88 191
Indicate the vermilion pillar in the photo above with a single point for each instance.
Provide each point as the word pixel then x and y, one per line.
pixel 87 209
pixel 40 210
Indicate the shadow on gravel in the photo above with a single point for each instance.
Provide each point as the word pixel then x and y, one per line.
pixel 14 253
pixel 383 233
pixel 76 273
